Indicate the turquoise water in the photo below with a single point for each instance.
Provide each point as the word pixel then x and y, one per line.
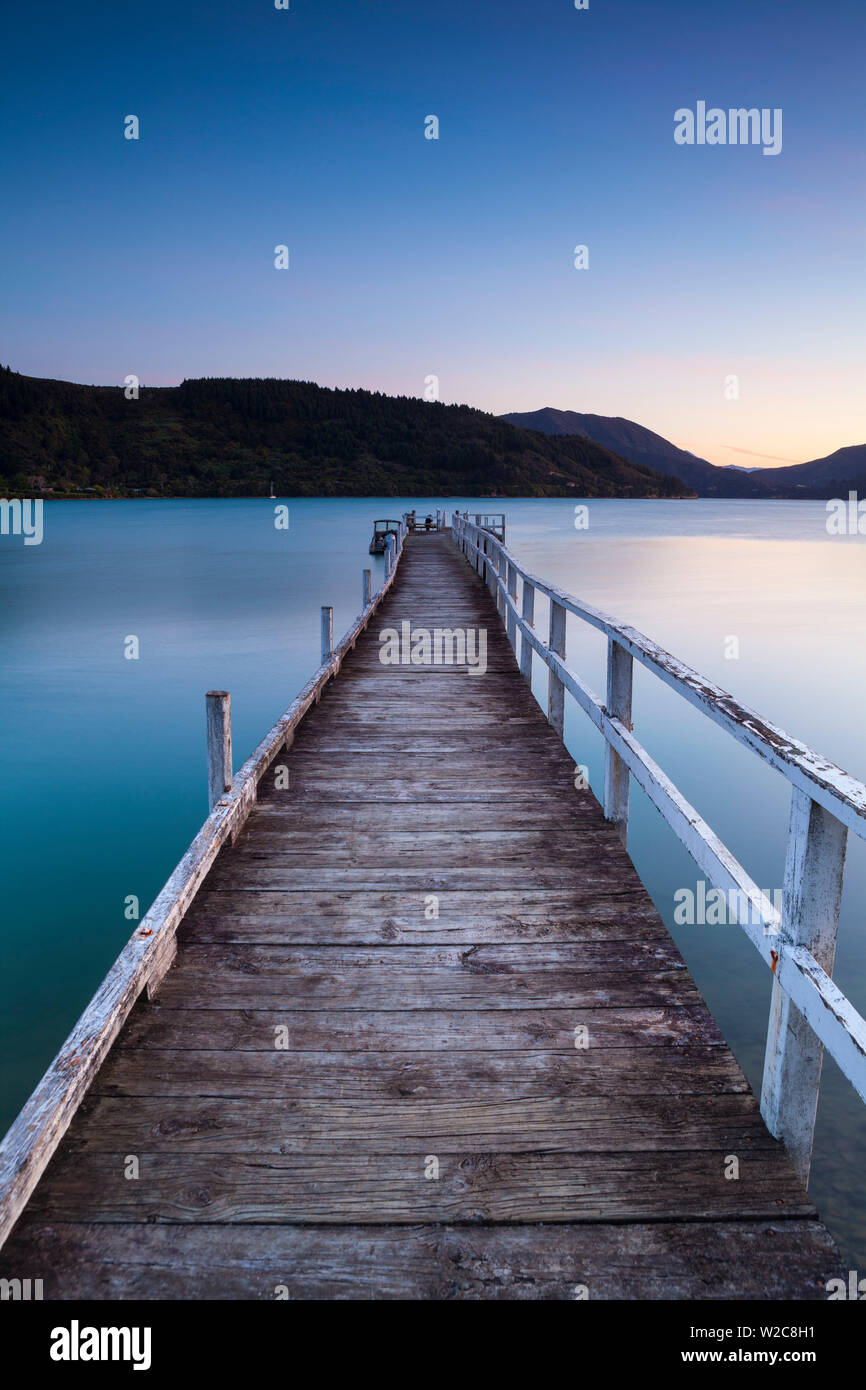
pixel 103 757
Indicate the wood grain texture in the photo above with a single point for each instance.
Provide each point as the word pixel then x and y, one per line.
pixel 428 946
pixel 666 1260
pixel 379 1188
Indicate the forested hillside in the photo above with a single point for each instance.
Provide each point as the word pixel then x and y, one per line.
pixel 220 437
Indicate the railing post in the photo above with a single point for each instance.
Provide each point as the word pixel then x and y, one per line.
pixel 620 667
pixel 811 897
pixel 218 714
pixel 366 589
pixel 555 688
pixel 327 634
pixel 390 551
pixel 510 619
pixel 501 573
pixel 498 571
pixel 492 569
pixel 528 614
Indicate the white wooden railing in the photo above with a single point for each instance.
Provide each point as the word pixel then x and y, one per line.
pixel 438 521
pixel 808 1011
pixel 144 960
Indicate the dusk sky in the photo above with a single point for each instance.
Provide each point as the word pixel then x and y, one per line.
pixel 413 257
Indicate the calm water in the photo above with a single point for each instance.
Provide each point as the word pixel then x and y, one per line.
pixel 103 757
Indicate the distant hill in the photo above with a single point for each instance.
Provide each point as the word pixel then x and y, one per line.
pixel 641 446
pixel 820 478
pixel 224 437
pixel 836 473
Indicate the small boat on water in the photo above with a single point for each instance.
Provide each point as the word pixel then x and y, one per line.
pixel 381 531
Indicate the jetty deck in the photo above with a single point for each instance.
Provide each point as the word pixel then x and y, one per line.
pixel 425 1035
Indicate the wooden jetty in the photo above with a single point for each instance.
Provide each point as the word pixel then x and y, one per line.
pixel 406 1023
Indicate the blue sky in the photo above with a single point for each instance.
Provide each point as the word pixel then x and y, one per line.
pixel 413 257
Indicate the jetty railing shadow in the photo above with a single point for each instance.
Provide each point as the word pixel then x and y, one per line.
pixel 808 1012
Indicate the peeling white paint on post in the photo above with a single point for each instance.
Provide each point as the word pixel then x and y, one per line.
pixel 555 688
pixel 218 706
pixel 493 571
pixel 812 896
pixel 366 589
pixel 616 778
pixel 499 564
pixel 510 623
pixel 390 551
pixel 528 615
pixel 327 633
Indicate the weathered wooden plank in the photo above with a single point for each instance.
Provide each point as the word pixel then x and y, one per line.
pixel 343 784
pixel 741 1260
pixel 567 816
pixel 726 1123
pixel 381 1188
pixel 238 917
pixel 573 907
pixel 412 742
pixel 441 1072
pixel 253 871
pixel 191 1026
pixel 442 989
pixel 277 849
pixel 491 963
pixel 347 764
pixel 450 845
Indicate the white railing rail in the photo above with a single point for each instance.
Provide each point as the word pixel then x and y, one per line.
pixel 491 521
pixel 413 522
pixel 808 1011
pixel 144 960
